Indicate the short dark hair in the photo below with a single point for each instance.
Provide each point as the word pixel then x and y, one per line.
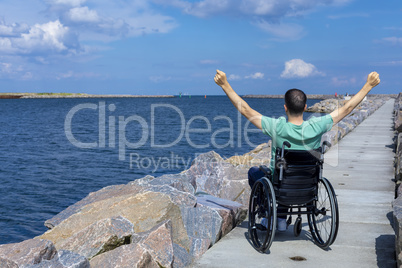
pixel 295 100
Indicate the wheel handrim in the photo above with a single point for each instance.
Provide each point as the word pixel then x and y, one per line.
pixel 323 220
pixel 262 205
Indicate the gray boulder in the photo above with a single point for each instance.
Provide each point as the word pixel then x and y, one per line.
pixel 216 177
pixel 103 194
pixel 145 210
pixel 232 213
pixel 149 249
pixel 99 237
pixel 28 252
pixel 158 242
pixel 132 255
pixel 64 259
pixel 4 263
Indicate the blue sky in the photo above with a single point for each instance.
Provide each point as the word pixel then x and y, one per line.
pixel 167 47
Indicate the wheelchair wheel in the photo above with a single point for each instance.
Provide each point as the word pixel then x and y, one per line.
pixel 298 226
pixel 262 215
pixel 324 220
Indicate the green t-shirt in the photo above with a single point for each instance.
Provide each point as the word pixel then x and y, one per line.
pixel 307 136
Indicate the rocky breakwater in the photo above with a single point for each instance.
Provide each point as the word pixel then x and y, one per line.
pixel 346 125
pixel 167 221
pixel 397 204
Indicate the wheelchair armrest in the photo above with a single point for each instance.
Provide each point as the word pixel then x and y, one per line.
pixel 266 170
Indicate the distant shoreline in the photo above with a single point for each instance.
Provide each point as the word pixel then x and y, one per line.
pixel 73 95
pixel 84 95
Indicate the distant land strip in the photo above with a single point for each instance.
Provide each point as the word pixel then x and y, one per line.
pixel 73 95
pixel 315 96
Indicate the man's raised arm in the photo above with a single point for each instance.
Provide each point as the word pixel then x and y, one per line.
pixel 242 106
pixel 373 79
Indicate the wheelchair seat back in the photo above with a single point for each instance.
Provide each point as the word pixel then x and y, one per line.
pixel 301 170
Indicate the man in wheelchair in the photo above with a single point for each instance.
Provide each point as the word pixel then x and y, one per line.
pixel 301 136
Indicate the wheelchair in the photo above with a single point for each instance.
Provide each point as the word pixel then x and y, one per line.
pixel 298 188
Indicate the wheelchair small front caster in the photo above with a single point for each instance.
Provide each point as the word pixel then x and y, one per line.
pixel 298 226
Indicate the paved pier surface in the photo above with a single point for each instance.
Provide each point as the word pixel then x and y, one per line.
pixel 360 169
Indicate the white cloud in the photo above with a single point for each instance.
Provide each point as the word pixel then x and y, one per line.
pixel 5 67
pixel 12 30
pixel 27 76
pixel 72 74
pixel 209 62
pixel 104 21
pixel 348 15
pixel 273 9
pixel 41 38
pixel 388 63
pixel 149 23
pixel 12 71
pixel 73 3
pixel 83 14
pixel 393 40
pixel 393 28
pixel 234 77
pixel 342 81
pixel 282 32
pixel 257 75
pixel 267 15
pixel 160 78
pixel 200 9
pixel 297 68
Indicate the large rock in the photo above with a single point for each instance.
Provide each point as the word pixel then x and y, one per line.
pixel 219 178
pixel 7 263
pixel 182 258
pixel 398 113
pixel 179 181
pixel 232 213
pixel 261 155
pixel 178 197
pixel 158 242
pixel 26 253
pixel 144 210
pixel 99 237
pixel 64 259
pixel 150 249
pixel 203 227
pixel 397 216
pixel 148 183
pixel 398 159
pixel 210 220
pixel 132 255
pixel 326 106
pixel 103 194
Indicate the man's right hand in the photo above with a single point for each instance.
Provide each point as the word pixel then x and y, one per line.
pixel 373 79
pixel 220 78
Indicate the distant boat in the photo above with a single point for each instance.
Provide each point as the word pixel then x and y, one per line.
pixel 205 96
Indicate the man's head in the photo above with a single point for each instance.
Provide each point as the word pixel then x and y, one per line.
pixel 295 101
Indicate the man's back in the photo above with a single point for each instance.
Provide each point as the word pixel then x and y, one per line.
pixel 306 136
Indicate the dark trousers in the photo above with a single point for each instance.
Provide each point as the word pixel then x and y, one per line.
pixel 254 174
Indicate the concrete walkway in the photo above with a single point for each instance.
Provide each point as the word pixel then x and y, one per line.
pixel 360 169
